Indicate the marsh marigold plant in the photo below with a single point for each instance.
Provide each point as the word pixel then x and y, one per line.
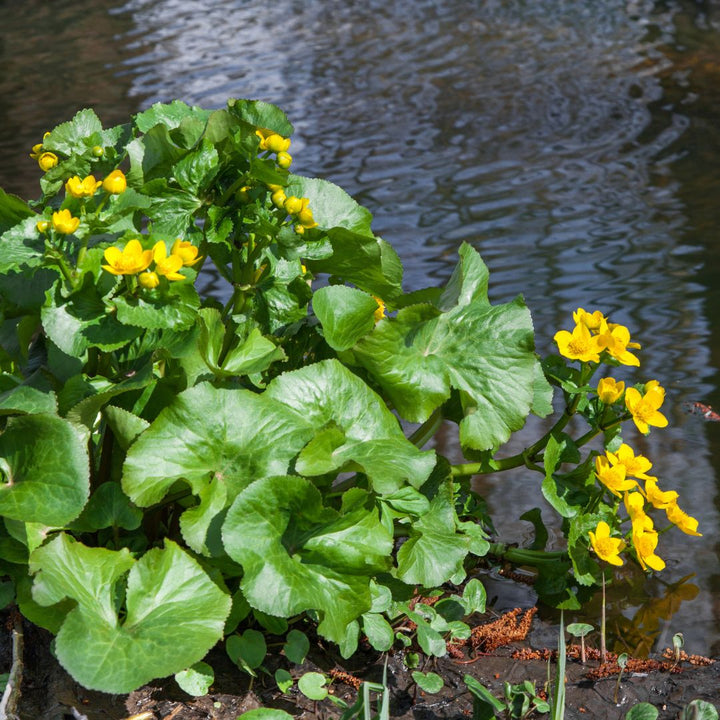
pixel 189 462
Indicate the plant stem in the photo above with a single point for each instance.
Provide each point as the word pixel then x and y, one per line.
pixel 603 647
pixel 427 429
pixel 521 556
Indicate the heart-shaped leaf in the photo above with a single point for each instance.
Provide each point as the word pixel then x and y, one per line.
pixel 45 467
pixel 310 555
pixel 174 613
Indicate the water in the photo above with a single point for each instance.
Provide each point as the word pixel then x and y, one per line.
pixel 575 144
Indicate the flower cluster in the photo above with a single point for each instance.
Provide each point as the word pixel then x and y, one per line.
pixel 299 208
pixel 592 336
pixel 272 142
pixel 134 260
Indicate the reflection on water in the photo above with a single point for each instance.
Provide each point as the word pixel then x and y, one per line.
pixel 575 144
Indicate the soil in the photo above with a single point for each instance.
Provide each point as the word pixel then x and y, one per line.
pixel 49 693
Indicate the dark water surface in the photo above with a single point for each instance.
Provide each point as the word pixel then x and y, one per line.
pixel 575 144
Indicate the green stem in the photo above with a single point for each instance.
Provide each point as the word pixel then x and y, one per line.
pixel 427 429
pixel 229 192
pixel 520 556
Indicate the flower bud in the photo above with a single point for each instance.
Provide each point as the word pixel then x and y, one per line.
pixel 98 151
pixel 42 226
pixel 47 161
pixel 279 198
pixel 284 160
pixel 277 143
pixel 115 183
pixel 293 205
pixel 149 280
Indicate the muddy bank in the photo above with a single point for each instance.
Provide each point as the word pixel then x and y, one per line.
pixel 49 693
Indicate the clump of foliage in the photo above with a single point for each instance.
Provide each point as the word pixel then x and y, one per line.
pixel 180 467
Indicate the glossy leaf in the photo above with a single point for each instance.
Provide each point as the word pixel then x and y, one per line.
pixel 312 556
pixel 174 612
pixel 45 468
pixel 484 352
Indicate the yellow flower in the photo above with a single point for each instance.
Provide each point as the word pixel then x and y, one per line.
pixel 635 465
pixel 64 222
pixel 658 498
pixel 166 265
pixel 609 391
pixel 635 506
pixel 284 160
pixel 42 226
pixel 293 205
pixel 47 160
pixel 645 542
pixel 148 279
pixel 379 314
pixel 578 345
pixel 645 408
pixel 682 520
pixel 278 198
pixel 591 320
pixel 82 188
pixel 115 183
pixel 613 477
pixel 132 260
pixel 607 548
pixel 616 341
pixel 305 215
pixel 187 252
pixel 277 143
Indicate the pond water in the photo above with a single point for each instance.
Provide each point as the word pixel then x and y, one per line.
pixel 575 144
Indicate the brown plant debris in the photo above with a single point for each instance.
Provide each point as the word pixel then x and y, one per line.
pixel 346 678
pixel 682 656
pixel 518 576
pixel 513 626
pixel 633 665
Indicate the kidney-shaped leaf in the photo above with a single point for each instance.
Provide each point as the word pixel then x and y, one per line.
pixel 483 351
pixel 355 428
pixel 299 555
pixel 46 473
pixel 174 612
pixel 219 441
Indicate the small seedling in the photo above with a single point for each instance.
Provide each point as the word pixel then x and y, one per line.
pixel 678 642
pixel 622 662
pixel 580 630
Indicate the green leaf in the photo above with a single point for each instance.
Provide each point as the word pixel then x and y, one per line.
pixel 169 114
pixel 7 593
pixel 312 556
pixel 296 647
pixel 485 704
pixel 265 714
pixel 579 629
pixel 124 425
pixel 108 507
pixel 196 680
pixel 68 137
pixel 364 260
pixel 474 596
pixel 429 639
pixel 534 516
pixel 379 632
pixel 174 310
pixel 83 321
pixel 23 398
pixel 23 246
pixel 641 711
pixel 273 625
pixel 484 352
pixel 331 398
pixel 262 115
pixel 12 211
pixel 197 169
pixel 698 710
pixel 433 551
pixel 346 314
pixel 233 436
pixel 247 650
pixel 174 612
pixel 331 206
pixel 429 682
pixel 45 466
pixel 284 681
pixel 312 685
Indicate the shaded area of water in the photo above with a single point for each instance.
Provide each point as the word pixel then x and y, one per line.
pixel 576 145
